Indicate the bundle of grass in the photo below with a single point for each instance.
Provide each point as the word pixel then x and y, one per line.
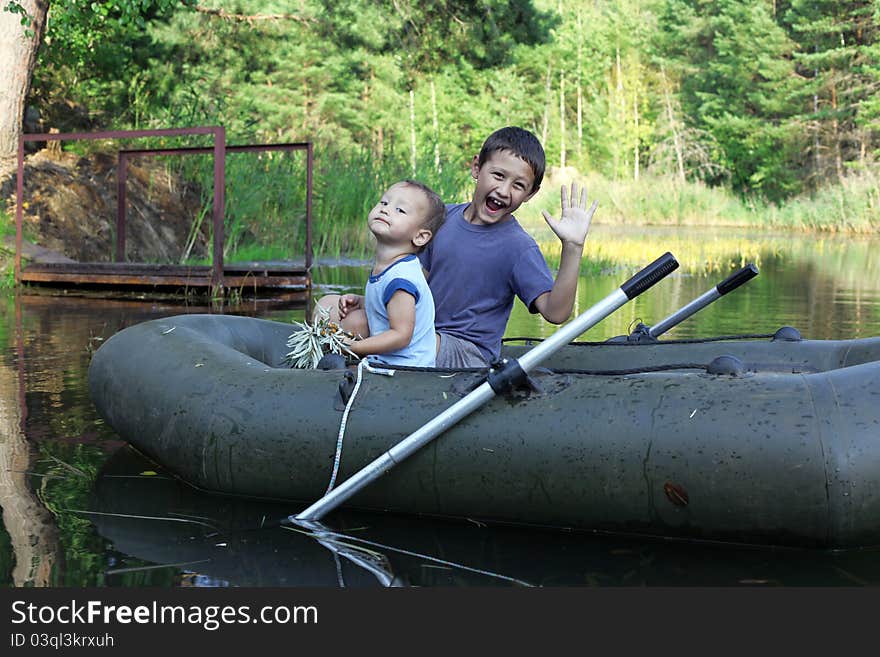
pixel 313 340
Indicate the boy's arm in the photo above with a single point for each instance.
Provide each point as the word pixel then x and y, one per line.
pixel 571 228
pixel 401 319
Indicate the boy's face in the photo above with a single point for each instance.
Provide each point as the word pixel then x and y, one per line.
pixel 504 182
pixel 398 217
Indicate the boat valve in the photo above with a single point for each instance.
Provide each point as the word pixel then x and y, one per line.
pixel 343 393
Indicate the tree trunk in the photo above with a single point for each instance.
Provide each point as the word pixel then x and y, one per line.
pixel 18 52
pixel 547 97
pixel 636 162
pixel 562 119
pixel 836 136
pixel 31 528
pixel 412 131
pixel 670 116
pixel 580 123
pixel 436 125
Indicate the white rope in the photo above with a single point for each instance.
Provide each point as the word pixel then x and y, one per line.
pixel 362 365
pixel 338 457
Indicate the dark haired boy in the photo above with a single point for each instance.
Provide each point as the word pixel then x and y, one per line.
pixel 483 258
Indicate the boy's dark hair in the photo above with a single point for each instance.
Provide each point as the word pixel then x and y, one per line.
pixel 521 143
pixel 436 208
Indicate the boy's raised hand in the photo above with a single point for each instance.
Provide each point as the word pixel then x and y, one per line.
pixel 574 223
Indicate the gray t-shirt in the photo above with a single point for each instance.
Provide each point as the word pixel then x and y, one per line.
pixel 475 271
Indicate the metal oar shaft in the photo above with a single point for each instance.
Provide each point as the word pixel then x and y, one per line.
pixel 398 453
pixel 729 284
pixel 482 394
pixel 461 409
pixel 683 313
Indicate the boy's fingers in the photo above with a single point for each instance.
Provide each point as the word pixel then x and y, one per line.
pixel 583 197
pixel 564 198
pixel 547 216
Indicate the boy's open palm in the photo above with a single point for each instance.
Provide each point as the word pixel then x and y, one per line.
pixel 574 223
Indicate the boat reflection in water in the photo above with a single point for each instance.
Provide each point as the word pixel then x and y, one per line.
pixel 190 538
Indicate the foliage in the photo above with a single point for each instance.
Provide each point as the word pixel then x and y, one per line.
pixel 765 99
pixel 840 73
pixel 312 340
pixel 70 472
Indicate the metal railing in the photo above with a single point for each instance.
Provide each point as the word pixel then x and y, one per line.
pixel 219 150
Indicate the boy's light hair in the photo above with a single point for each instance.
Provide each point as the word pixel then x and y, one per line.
pixel 436 214
pixel 521 143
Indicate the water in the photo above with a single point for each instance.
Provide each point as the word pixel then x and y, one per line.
pixel 80 508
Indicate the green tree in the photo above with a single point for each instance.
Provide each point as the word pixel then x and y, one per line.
pixel 75 36
pixel 21 28
pixel 840 71
pixel 733 65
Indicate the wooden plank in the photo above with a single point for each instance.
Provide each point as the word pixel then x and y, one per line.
pixel 164 280
pixel 126 268
pixel 121 275
pixel 274 281
pixel 113 279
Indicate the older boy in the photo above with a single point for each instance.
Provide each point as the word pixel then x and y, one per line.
pixel 483 258
pixel 397 300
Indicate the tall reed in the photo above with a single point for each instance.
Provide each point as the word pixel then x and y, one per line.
pixel 348 185
pixel 265 203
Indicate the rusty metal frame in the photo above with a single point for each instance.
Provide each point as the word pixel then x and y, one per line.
pixel 122 176
pixel 219 150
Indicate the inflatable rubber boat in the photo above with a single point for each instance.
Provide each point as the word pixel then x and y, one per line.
pixel 771 441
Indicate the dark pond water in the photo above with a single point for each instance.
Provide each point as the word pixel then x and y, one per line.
pixel 81 508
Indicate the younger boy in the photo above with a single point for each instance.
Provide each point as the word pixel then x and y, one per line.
pixel 397 300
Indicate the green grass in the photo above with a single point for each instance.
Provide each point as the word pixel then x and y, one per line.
pixel 7 224
pixel 346 189
pixel 348 186
pixel 853 206
pixel 266 200
pixel 648 201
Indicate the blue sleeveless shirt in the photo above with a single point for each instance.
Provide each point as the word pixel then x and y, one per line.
pixel 405 274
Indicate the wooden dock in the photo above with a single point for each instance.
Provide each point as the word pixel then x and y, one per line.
pixel 252 278
pixel 290 280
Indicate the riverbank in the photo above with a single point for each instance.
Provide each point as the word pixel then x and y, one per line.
pixel 70 205
pixel 851 206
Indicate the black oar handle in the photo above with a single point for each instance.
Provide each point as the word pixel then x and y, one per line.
pixel 736 279
pixel 653 273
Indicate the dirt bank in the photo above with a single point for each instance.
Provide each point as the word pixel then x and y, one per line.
pixel 70 210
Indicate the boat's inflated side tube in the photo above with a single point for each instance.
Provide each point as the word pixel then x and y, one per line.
pixel 772 457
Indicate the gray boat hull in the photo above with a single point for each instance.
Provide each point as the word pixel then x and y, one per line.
pixel 786 452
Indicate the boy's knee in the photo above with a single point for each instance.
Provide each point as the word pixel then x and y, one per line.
pixel 355 321
pixel 330 303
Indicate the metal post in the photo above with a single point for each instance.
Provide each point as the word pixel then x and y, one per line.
pixel 219 206
pixel 309 164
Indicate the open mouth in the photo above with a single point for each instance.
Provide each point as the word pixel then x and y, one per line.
pixel 493 204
